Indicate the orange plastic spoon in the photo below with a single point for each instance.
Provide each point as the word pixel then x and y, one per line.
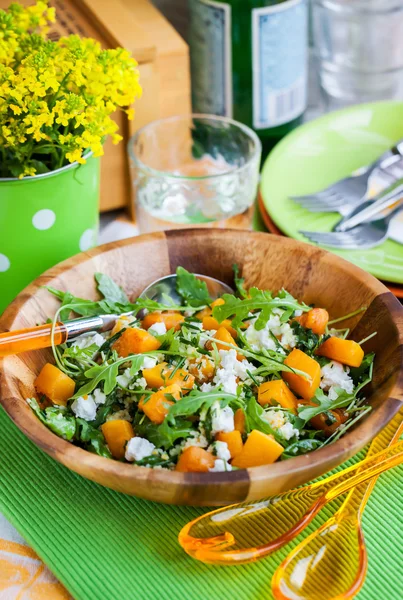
pixel 246 532
pixel 332 561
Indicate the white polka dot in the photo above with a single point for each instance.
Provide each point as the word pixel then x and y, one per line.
pixel 4 263
pixel 87 240
pixel 44 219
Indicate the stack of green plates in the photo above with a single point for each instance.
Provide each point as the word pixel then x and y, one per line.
pixel 320 153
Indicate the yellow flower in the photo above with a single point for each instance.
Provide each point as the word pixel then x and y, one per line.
pixel 58 95
pixel 16 109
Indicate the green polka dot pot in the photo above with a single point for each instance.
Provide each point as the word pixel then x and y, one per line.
pixel 43 220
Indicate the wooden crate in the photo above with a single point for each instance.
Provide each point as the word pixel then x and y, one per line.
pixel 163 59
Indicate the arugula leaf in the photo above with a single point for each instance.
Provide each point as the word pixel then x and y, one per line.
pixel 361 373
pixel 323 403
pixel 152 461
pixel 107 373
pixel 84 308
pixel 301 447
pixel 55 419
pixel 195 401
pixel 239 282
pixel 308 341
pixel 258 300
pixel 193 290
pixel 110 290
pixel 254 420
pixel 163 435
pixel 92 438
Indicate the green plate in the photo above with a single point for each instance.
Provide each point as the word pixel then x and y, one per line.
pixel 318 154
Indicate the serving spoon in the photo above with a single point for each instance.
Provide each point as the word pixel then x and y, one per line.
pixel 35 338
pixel 332 561
pixel 246 532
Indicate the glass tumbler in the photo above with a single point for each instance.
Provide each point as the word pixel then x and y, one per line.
pixel 196 170
pixel 358 47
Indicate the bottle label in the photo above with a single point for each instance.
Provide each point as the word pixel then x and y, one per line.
pixel 211 57
pixel 279 54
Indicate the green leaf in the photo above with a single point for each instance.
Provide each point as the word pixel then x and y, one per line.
pixel 361 373
pixel 92 438
pixel 107 373
pixel 110 290
pixel 308 341
pixel 56 419
pixel 195 401
pixel 194 291
pixel 84 308
pixel 39 166
pixel 239 282
pixel 259 300
pixel 254 420
pixel 301 447
pixel 164 435
pixel 324 404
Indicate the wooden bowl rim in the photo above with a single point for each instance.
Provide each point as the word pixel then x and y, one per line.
pixel 339 451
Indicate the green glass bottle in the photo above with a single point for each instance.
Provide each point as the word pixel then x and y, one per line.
pixel 249 62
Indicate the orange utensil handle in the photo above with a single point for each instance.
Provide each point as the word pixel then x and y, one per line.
pixel 35 338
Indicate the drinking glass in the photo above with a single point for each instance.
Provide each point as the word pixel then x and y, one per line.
pixel 194 170
pixel 358 46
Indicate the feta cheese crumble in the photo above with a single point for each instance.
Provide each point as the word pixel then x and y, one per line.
pixel 88 339
pixel 85 408
pixel 222 419
pixel 149 362
pixel 230 370
pixel 334 376
pixel 277 420
pixel 220 466
pixel 262 340
pixel 198 440
pixel 124 379
pixel 138 448
pixel 141 382
pixel 221 449
pixel 157 329
pixel 99 397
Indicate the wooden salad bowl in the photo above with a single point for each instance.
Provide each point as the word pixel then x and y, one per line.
pixel 267 261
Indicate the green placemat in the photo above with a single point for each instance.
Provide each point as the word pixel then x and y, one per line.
pixel 106 546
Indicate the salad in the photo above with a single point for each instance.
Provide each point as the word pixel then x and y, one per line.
pixel 207 386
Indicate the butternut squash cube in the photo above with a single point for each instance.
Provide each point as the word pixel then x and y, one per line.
pixel 218 302
pixel 135 341
pixel 259 449
pixel 239 420
pixel 117 433
pixel 172 320
pixel 346 352
pixel 321 421
pixel 203 370
pixel 54 384
pixel 305 388
pixel 223 335
pixel 315 319
pixel 157 406
pixel 195 460
pixel 278 391
pixel 210 323
pixel 160 375
pixel 233 439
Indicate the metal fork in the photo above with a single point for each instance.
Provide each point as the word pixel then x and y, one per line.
pixel 344 195
pixel 364 236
